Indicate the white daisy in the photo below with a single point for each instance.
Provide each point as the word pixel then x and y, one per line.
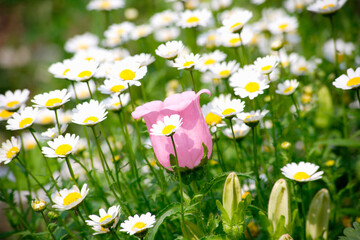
pixel 189 19
pixel 52 100
pixel 187 61
pixel 23 119
pixel 302 172
pixel 116 54
pixel 348 81
pixel 12 101
pixel 209 39
pixel 163 19
pixel 117 34
pixel 209 59
pixel 82 70
pixel 166 34
pixel 113 86
pixel 105 220
pixel 211 118
pixel 129 71
pixel 113 103
pixel 45 117
pixel 299 66
pixel 144 59
pixel 92 54
pixel 141 31
pixel 343 49
pixel 236 22
pixel 5 114
pixel 326 6
pixel 105 4
pixel 248 83
pixel 266 64
pixel 167 127
pixel 170 50
pixel 287 88
pixel 61 146
pixel 224 69
pixel 52 133
pixel 220 4
pixel 240 129
pixel 89 113
pixel 38 205
pixel 137 225
pixel 69 198
pixel 283 24
pixel 60 69
pixel 81 42
pixel 65 116
pixel 9 150
pixel 226 107
pixel 231 40
pixel 252 118
pixel 82 90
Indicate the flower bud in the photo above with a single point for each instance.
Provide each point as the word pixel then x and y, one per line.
pixel 53 215
pixel 38 205
pixel 279 203
pixel 318 216
pixel 286 237
pixel 285 145
pixel 231 194
pixel 277 44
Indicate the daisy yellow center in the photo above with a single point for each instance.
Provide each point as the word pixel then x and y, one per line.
pixel 224 73
pixel 212 118
pixel 328 6
pixel 138 225
pixel 301 176
pixel 188 64
pixel 46 120
pixel 89 58
pixel 354 81
pixel 105 4
pixel 63 149
pixel 236 25
pixel 192 19
pixel 105 217
pixel 117 88
pixel 12 103
pixel 153 162
pixel 116 104
pixel 283 26
pixel 234 40
pixel 211 38
pixel 84 74
pixel 166 18
pixel 167 130
pixel 12 152
pixel 228 111
pixel 82 47
pixel 303 69
pixel 127 74
pixel 248 117
pixel 245 194
pixel 91 119
pixel 71 197
pixel 25 121
pixel 266 68
pixel 5 114
pixel 65 72
pixel 289 89
pixel 252 87
pixel 52 102
pixel 209 62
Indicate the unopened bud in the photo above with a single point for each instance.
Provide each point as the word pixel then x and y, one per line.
pixel 231 194
pixel 38 205
pixel 277 44
pixel 285 145
pixel 53 215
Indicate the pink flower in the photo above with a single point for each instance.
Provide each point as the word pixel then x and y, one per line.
pixel 188 138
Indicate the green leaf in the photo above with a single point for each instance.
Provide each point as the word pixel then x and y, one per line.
pixel 352 233
pixel 170 210
pixel 192 231
pixel 214 237
pixel 224 215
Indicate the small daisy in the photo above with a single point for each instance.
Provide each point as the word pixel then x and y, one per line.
pixel 231 40
pixel 266 64
pixel 287 88
pixel 5 114
pixel 65 116
pixel 302 172
pixel 129 71
pixel 113 86
pixel 89 113
pixel 166 34
pixel 9 150
pixel 141 31
pixel 69 198
pixel 236 22
pixel 196 18
pixel 170 50
pixel 220 4
pixel 38 205
pixel 82 90
pixel 60 69
pixel 117 34
pixel 226 107
pixel 343 50
pixel 209 59
pixel 113 103
pixel 12 101
pixel 81 42
pixel 116 54
pixel 252 118
pixel 248 83
pixel 326 6
pixel 348 81
pixel 92 54
pixel 209 39
pixel 283 24
pixel 299 66
pixel 105 4
pixel 52 100
pixel 212 120
pixel 225 69
pixel 167 127
pixel 144 59
pixel 187 61
pixel 105 219
pixel 23 119
pixel 61 146
pixel 82 70
pixel 138 225
pixel 45 117
pixel 240 130
pixel 52 133
pixel 163 19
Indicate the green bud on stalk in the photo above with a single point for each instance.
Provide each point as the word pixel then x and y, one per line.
pixel 231 194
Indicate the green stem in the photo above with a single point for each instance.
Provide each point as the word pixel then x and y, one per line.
pixel 57 121
pixel 273 130
pixel 303 215
pixel 77 212
pixel 358 94
pixel 76 97
pixel 256 168
pixel 193 81
pixel 235 143
pixel 71 170
pixel 25 165
pixel 114 234
pixel 88 85
pixel 48 227
pixel 221 161
pixel 142 87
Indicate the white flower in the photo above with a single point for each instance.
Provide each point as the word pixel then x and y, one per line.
pixel 38 205
pixel 5 114
pixel 287 88
pixel 117 34
pixel 209 59
pixel 105 4
pixel 224 69
pixel 138 224
pixel 82 90
pixel 299 66
pixel 170 50
pixel 65 116
pixel 209 39
pixel 45 117
pixel 52 100
pixel 231 40
pixel 82 70
pixel 302 172
pixel 343 49
pixel 167 127
pixel 61 146
pixel 106 220
pixel 9 150
pixel 116 54
pixel 252 117
pixel 81 42
pixel 60 69
pixel 166 34
pixel 187 61
pixel 51 133
pixel 141 31
pixel 113 103
pixel 266 65
pixel 144 59
pixel 326 6
pixel 92 54
pixel 220 4
pixel 113 86
pixel 23 119
pixel 283 24
pixel 236 22
pixel 69 198
pixel 348 81
pixel 163 19
pixel 211 118
pixel 189 19
pixel 240 129
pixel 12 101
pixel 226 107
pixel 129 71
pixel 89 113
